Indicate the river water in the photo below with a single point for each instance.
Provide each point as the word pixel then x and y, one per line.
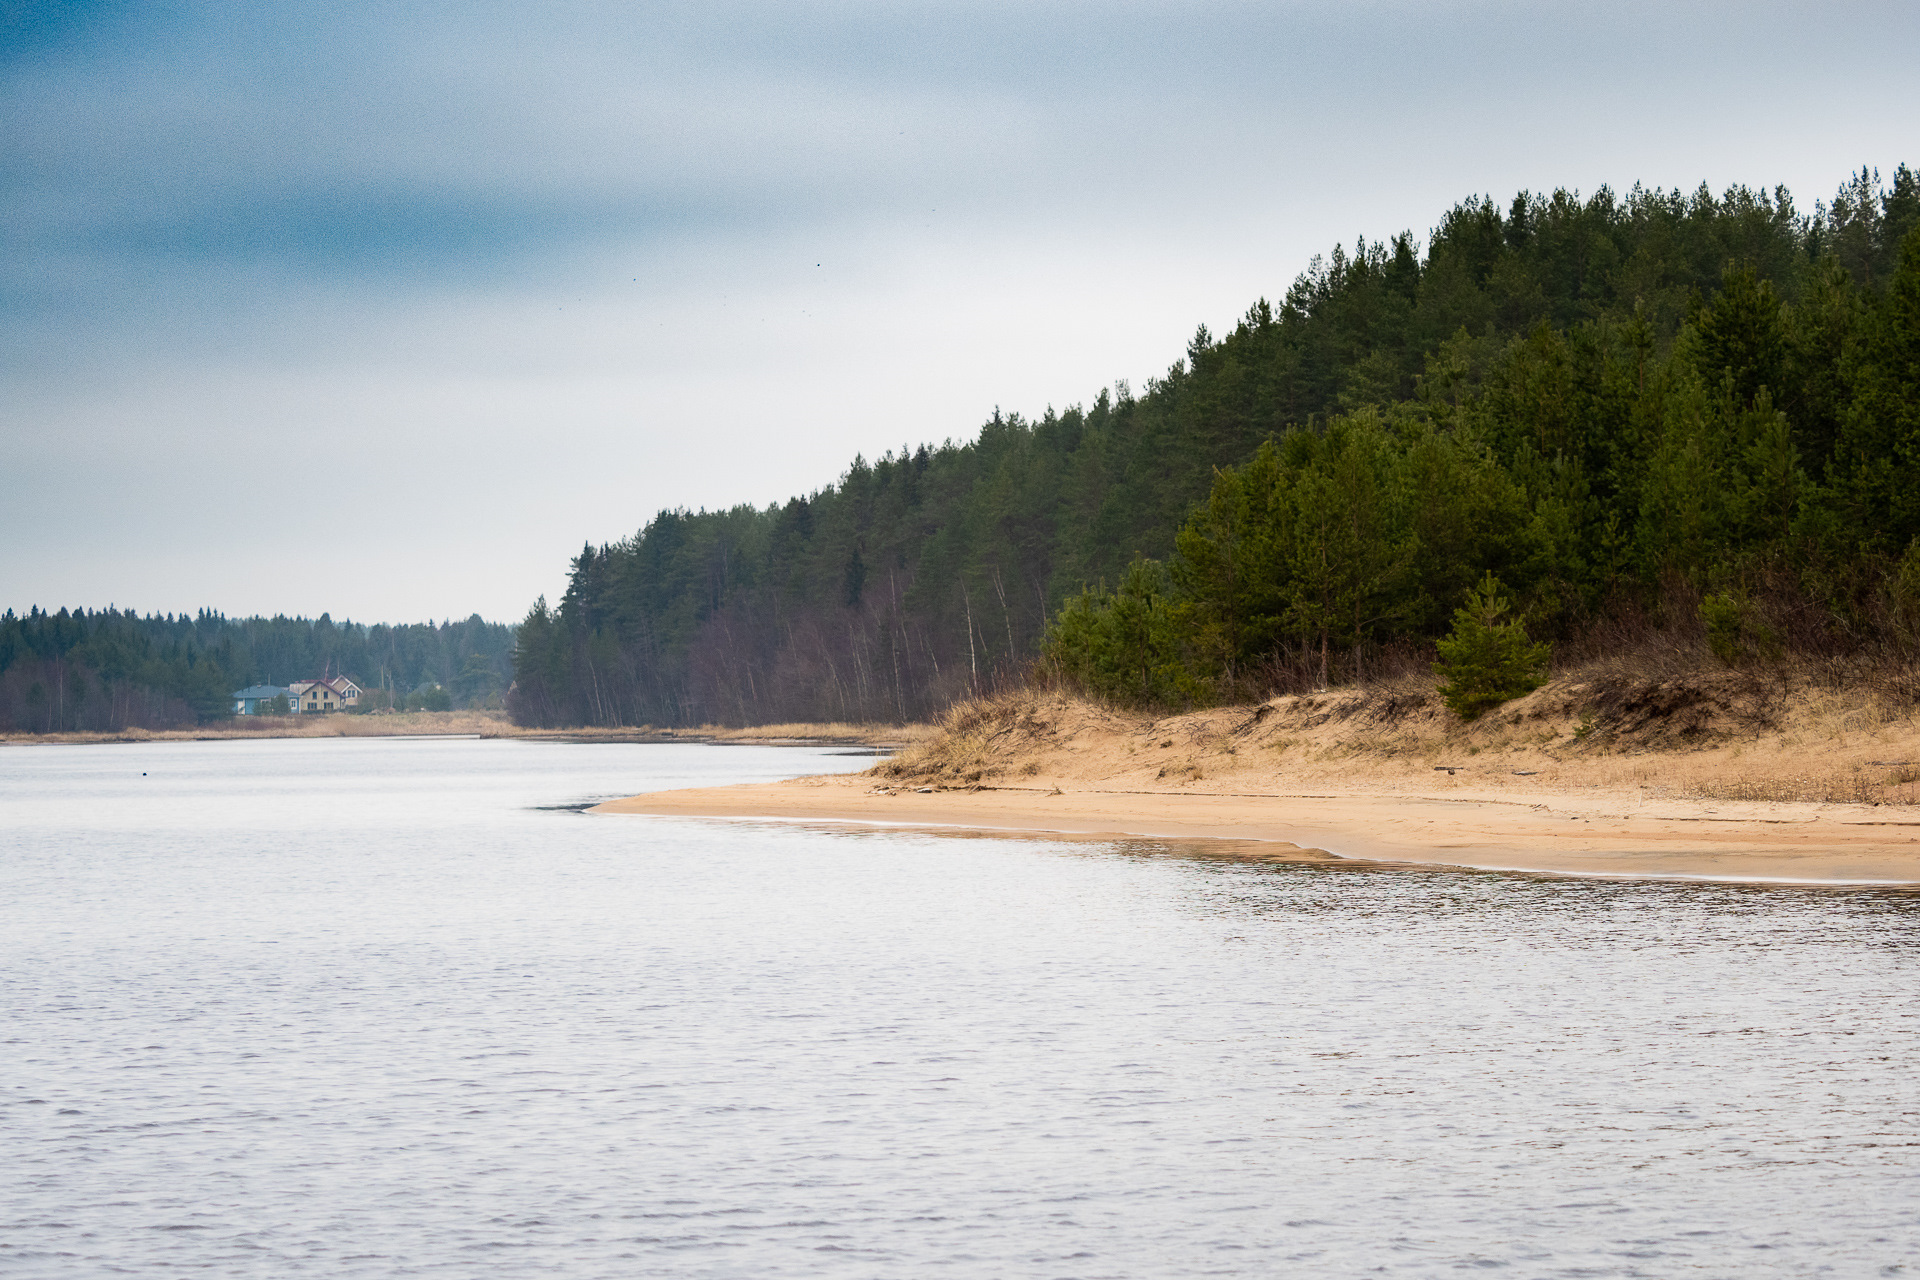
pixel 385 1008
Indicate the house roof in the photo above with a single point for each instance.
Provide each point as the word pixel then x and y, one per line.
pixel 261 691
pixel 333 684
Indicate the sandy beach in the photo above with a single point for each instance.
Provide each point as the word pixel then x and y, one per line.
pixel 1298 778
pixel 1611 836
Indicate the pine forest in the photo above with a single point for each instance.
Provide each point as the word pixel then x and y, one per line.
pixel 1623 412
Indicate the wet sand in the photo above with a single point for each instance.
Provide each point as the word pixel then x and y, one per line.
pixel 1618 834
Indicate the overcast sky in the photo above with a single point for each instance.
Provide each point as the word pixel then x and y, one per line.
pixel 384 310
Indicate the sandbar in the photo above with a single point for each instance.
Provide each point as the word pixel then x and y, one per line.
pixel 1616 834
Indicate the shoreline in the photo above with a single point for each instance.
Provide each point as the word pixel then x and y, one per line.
pixel 481 724
pixel 1608 836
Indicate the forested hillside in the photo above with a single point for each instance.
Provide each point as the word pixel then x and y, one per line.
pixel 1590 397
pixel 107 670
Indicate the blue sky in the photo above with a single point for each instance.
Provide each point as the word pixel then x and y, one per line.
pixel 331 307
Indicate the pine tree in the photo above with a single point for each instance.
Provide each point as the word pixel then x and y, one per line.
pixel 1487 661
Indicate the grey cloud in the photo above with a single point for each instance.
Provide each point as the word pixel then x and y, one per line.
pixel 445 236
pixel 441 139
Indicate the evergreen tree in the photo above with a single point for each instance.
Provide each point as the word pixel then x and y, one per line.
pixel 1880 446
pixel 1487 660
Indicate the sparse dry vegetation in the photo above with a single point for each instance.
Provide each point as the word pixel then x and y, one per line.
pixel 1682 730
pixel 1859 785
pixel 979 739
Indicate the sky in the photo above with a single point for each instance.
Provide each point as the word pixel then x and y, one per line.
pixel 383 311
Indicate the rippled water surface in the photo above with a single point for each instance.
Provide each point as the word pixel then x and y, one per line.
pixel 365 1008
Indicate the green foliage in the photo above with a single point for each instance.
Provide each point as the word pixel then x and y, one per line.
pixel 1337 538
pixel 1487 660
pixel 1585 396
pixel 431 697
pixel 1742 336
pixel 1878 457
pixel 1735 631
pixel 277 705
pixel 478 682
pixel 1127 644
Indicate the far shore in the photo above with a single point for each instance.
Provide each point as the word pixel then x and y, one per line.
pixel 484 724
pixel 1824 794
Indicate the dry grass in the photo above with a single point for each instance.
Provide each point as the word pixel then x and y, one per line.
pixel 1858 785
pixel 981 738
pixel 798 731
pixel 1678 731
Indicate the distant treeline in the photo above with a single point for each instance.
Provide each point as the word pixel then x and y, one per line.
pixel 1596 399
pixel 108 670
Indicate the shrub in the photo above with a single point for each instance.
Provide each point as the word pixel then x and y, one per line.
pixel 430 698
pixel 1486 661
pixel 1127 644
pixel 1735 631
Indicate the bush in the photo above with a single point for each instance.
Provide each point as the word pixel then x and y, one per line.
pixel 1126 644
pixel 1486 661
pixel 1735 631
pixel 432 698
